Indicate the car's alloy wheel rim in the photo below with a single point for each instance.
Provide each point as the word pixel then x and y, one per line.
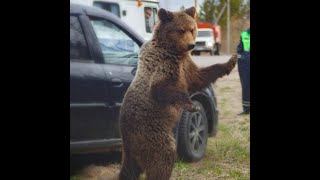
pixel 196 132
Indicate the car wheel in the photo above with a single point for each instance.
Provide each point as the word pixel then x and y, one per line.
pixel 193 134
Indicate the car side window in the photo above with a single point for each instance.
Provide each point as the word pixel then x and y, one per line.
pixel 78 45
pixel 117 47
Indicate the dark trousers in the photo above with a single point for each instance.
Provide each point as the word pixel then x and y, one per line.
pixel 217 51
pixel 244 73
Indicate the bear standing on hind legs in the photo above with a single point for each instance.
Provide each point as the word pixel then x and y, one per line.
pixel 159 93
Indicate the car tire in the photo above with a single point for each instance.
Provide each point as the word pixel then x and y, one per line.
pixel 193 134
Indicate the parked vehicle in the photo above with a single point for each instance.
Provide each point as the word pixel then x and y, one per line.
pixel 204 41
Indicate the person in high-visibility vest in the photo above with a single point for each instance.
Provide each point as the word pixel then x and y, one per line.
pixel 243 51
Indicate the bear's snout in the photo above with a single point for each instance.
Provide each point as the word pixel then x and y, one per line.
pixel 191 46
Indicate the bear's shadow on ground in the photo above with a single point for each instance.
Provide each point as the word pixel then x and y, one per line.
pixel 78 162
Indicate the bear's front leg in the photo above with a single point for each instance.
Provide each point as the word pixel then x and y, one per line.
pixel 202 78
pixel 231 64
pixel 166 94
pixel 189 106
pixel 212 73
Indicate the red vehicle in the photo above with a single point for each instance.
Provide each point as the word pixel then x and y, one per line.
pixel 216 32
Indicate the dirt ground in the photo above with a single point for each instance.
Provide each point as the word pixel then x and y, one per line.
pixel 228 93
pixel 229 89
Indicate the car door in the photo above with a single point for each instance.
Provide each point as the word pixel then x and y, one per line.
pixel 120 57
pixel 89 95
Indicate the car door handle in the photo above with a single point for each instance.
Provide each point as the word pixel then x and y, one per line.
pixel 116 82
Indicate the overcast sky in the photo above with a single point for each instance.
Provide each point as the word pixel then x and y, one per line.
pixel 175 5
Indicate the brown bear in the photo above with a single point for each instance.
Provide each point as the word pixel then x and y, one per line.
pixel 159 93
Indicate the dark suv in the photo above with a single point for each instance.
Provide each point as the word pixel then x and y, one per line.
pixel 103 61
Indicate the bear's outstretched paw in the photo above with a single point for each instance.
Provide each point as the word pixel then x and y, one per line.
pixel 231 63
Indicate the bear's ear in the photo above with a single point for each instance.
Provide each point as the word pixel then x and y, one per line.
pixel 191 12
pixel 164 15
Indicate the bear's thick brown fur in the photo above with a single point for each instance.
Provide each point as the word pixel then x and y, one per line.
pixel 153 104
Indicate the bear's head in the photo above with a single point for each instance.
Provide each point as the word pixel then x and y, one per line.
pixel 176 31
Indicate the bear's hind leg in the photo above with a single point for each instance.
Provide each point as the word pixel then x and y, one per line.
pixel 130 169
pixel 162 168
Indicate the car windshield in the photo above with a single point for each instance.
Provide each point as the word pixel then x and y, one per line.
pixel 111 7
pixel 204 33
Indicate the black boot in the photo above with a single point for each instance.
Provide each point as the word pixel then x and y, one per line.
pixel 244 113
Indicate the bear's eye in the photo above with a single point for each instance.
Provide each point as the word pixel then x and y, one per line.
pixel 180 31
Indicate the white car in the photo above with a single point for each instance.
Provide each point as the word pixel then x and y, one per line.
pixel 204 41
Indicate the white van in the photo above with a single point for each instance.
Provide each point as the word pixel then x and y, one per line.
pixel 131 12
pixel 204 41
